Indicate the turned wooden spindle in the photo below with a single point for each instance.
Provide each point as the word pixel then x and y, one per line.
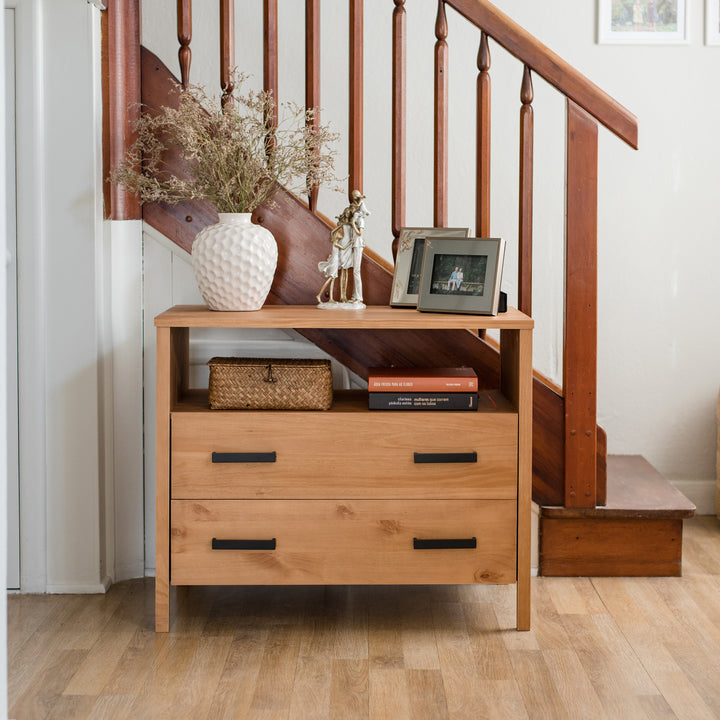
pixel 355 180
pixel 227 50
pixel 270 54
pixel 440 206
pixel 184 33
pixel 312 75
pixel 399 115
pixel 525 223
pixel 482 201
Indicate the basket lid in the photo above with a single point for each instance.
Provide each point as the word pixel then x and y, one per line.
pixel 264 362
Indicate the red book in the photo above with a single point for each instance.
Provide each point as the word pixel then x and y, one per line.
pixel 394 379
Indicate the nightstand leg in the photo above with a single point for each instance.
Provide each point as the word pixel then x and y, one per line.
pixel 516 381
pixel 162 483
pixel 525 409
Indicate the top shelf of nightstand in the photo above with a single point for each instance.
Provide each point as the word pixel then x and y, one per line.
pixel 374 317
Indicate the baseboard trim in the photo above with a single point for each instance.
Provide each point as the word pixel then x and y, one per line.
pixel 80 588
pixel 700 492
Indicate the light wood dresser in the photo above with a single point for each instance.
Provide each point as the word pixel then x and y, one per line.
pixel 347 495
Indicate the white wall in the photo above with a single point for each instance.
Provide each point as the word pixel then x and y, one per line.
pixel 659 239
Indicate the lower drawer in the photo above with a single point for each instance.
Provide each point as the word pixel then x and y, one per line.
pixel 333 542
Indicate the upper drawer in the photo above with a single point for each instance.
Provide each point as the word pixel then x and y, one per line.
pixel 343 455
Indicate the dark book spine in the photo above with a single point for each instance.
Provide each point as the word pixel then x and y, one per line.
pixel 422 401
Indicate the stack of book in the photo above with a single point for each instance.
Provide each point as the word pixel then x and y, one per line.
pixel 422 389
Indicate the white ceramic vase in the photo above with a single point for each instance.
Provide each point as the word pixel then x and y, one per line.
pixel 234 263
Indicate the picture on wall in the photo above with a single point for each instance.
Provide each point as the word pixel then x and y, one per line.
pixel 642 21
pixel 712 22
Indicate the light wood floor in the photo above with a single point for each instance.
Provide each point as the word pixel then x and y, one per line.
pixel 615 648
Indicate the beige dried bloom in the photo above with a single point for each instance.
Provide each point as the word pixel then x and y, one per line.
pixel 235 157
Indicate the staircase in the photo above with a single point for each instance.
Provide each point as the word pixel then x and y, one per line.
pixel 588 502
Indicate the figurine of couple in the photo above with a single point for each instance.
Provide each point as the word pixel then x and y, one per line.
pixel 346 254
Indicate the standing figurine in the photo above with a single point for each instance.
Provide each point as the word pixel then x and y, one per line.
pixel 347 248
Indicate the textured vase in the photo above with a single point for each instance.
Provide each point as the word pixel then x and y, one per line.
pixel 234 263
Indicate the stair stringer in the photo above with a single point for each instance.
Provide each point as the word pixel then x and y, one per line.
pixel 303 240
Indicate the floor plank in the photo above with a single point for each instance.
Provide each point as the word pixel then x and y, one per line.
pixel 630 648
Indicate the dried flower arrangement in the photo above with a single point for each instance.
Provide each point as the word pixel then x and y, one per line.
pixel 235 157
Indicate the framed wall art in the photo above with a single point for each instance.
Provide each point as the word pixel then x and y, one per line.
pixel 642 21
pixel 408 263
pixel 712 22
pixel 462 275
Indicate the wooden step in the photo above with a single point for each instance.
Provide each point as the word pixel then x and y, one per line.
pixel 637 533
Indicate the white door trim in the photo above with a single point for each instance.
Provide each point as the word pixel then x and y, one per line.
pixel 31 293
pixel 11 333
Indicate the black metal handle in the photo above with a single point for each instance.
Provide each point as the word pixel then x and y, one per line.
pixel 243 544
pixel 469 457
pixel 244 457
pixel 445 544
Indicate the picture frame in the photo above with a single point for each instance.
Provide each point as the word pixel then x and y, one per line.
pixel 462 275
pixel 712 22
pixel 642 22
pixel 408 262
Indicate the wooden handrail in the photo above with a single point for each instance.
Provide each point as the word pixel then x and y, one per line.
pixel 551 67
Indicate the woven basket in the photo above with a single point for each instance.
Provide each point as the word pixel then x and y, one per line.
pixel 270 384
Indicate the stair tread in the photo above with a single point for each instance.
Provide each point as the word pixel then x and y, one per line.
pixel 635 489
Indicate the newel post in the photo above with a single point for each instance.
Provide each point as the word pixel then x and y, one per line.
pixel 580 356
pixel 122 99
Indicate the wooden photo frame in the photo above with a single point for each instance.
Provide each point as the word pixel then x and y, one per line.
pixel 408 263
pixel 712 22
pixel 462 275
pixel 641 22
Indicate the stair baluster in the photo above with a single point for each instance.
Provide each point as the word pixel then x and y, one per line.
pixel 399 119
pixel 227 50
pixel 441 119
pixel 355 121
pixel 184 34
pixel 525 222
pixel 270 53
pixel 312 74
pixel 482 206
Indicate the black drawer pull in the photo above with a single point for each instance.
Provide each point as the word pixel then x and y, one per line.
pixel 243 544
pixel 244 457
pixel 445 544
pixel 470 457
